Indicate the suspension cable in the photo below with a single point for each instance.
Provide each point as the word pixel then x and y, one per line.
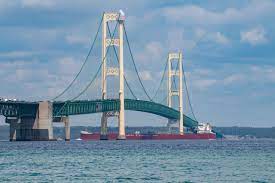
pixel 100 65
pixel 93 79
pixel 117 59
pixel 89 84
pixel 162 78
pixel 132 58
pixel 187 92
pixel 84 63
pixel 174 80
pixel 165 98
pixel 184 78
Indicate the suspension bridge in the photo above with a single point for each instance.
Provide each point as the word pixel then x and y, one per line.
pixel 34 120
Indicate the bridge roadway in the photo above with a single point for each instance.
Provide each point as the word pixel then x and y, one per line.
pixel 29 109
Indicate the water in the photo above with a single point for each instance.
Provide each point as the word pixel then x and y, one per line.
pixel 138 161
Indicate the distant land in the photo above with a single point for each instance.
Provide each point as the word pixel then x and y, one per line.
pixel 235 131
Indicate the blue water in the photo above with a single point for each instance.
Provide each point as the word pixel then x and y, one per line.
pixel 138 161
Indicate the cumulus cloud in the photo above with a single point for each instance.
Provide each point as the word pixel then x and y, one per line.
pixel 203 84
pixel 233 78
pixel 68 65
pixel 146 75
pixel 151 54
pixel 154 48
pixel 220 38
pixel 6 4
pixel 76 39
pixel 38 3
pixel 31 75
pixel 199 32
pixel 202 72
pixel 195 14
pixel 254 36
pixel 16 54
pixel 264 73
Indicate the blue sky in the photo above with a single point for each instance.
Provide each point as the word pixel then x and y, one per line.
pixel 231 72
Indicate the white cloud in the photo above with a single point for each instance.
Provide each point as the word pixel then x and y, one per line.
pixel 74 39
pixel 203 84
pixel 220 38
pixel 146 75
pixel 233 78
pixel 38 3
pixel 5 4
pixel 68 66
pixel 150 55
pixel 30 75
pixel 254 36
pixel 16 54
pixel 263 73
pixel 199 32
pixel 175 38
pixel 202 72
pixel 192 14
pixel 154 48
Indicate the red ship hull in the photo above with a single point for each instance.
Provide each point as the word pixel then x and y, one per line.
pixel 190 136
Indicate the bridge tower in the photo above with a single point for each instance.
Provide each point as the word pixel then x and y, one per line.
pixel 175 57
pixel 113 71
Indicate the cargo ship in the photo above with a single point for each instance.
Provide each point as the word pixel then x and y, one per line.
pixel 202 132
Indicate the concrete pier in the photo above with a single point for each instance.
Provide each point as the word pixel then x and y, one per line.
pixel 14 122
pixel 44 122
pixel 67 128
pixel 29 128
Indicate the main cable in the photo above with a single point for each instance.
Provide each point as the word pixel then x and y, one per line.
pixel 132 58
pixel 112 37
pixel 187 92
pixel 84 63
pixel 117 59
pixel 90 83
pixel 162 79
pixel 188 96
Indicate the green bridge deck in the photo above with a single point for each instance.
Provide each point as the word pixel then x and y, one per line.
pixel 29 109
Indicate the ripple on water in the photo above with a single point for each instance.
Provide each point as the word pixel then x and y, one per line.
pixel 138 161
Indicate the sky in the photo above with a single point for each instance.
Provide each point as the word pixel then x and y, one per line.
pixel 228 52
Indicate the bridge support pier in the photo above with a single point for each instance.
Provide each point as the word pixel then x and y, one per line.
pixel 14 123
pixel 67 128
pixel 44 120
pixel 28 128
pixel 103 128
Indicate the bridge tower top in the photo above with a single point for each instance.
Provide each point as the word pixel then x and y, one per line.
pixel 175 57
